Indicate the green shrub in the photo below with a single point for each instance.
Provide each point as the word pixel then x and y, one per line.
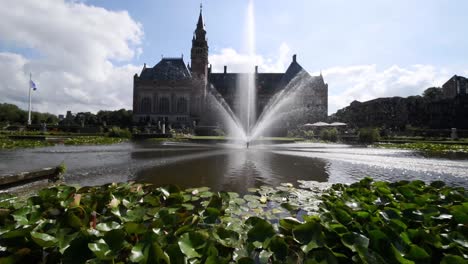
pixel 369 135
pixel 300 132
pixel 330 134
pixel 118 132
pixel 308 134
pixel 219 132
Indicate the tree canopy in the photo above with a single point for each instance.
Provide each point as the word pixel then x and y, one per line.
pixel 12 114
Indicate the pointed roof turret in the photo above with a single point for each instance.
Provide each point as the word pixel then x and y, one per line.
pixel 200 23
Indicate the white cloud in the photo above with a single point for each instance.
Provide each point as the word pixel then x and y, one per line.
pixel 238 62
pixel 366 82
pixel 75 49
pixel 345 83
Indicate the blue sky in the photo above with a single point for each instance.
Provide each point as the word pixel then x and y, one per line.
pixel 323 33
pixel 84 53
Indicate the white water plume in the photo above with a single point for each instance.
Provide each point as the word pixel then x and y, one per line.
pixel 231 122
pixel 246 82
pixel 281 106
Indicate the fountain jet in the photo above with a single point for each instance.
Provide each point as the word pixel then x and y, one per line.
pixel 279 109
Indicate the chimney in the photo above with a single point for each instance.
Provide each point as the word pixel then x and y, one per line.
pixel 225 69
pixel 209 69
pixel 256 69
pixel 294 58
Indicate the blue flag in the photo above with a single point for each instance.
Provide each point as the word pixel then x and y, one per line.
pixel 32 85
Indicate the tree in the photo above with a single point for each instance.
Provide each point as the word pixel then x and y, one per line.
pixel 433 93
pixel 14 115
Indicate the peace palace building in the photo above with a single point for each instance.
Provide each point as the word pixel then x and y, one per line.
pixel 176 93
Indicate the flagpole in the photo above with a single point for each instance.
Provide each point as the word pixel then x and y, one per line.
pixel 29 108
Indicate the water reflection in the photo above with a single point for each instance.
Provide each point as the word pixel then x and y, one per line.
pixel 232 168
pixel 235 170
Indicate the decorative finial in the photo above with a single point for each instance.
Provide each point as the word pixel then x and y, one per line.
pixel 182 56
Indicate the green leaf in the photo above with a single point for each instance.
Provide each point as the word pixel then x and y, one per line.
pixel 279 247
pixel 20 232
pixel 115 239
pixel 260 231
pixel 190 242
pixel 362 214
pixel 211 215
pixel 225 237
pixel 290 207
pixel 65 237
pixel 101 250
pixel 137 255
pixel 354 241
pixel 77 218
pixel 215 202
pixel 105 227
pixel 289 223
pixel 309 232
pixel 264 256
pixel 437 184
pixel 342 216
pixel 417 253
pixel 452 259
pixel 43 239
pixel 399 257
pixel 175 255
pixel 338 228
pixel 389 214
pixel 157 255
pixel 78 251
pixel 135 228
pixel 245 260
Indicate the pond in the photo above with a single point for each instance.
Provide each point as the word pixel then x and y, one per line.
pixel 234 168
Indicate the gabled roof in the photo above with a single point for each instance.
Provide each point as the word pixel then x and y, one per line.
pixel 227 82
pixel 167 69
pixel 268 83
pixel 293 70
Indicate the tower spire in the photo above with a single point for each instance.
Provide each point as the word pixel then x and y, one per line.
pixel 199 51
pixel 200 23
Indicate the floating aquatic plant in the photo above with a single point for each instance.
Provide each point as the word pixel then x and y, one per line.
pixel 365 222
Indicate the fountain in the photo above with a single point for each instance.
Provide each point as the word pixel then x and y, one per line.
pixel 245 127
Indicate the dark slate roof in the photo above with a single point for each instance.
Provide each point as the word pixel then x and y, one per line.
pixel 268 83
pixel 293 69
pixel 226 83
pixel 167 69
pixel 223 82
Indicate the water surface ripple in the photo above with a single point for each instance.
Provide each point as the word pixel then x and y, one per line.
pixel 232 168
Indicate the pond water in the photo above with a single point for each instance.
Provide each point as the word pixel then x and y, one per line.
pixel 232 168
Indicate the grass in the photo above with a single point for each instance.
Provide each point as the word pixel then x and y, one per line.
pixel 257 139
pixel 93 140
pixel 208 137
pixel 7 143
pixel 428 147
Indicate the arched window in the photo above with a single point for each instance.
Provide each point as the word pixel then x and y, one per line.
pixel 182 105
pixel 146 105
pixel 164 105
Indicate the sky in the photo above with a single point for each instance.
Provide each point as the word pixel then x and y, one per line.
pixel 83 54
